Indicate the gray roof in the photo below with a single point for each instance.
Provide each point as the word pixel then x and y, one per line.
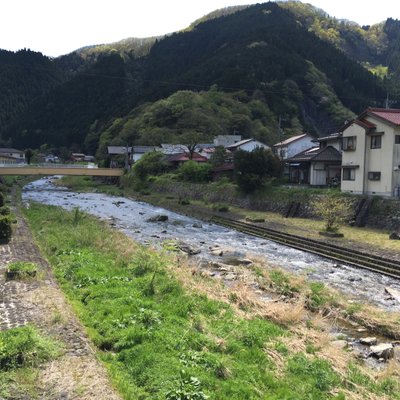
pixel 118 149
pixel 10 150
pixel 143 149
pixel 326 154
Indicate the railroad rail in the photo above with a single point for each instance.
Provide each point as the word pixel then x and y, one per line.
pixel 351 257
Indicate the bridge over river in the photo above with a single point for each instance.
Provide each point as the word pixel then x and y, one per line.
pixel 45 170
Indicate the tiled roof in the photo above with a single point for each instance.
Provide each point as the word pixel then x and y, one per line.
pixel 328 153
pixel 185 157
pixel 238 144
pixel 290 140
pixel 391 115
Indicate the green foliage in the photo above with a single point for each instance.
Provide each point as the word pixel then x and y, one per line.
pixel 151 163
pixel 187 388
pixel 193 171
pixel 24 347
pixel 22 267
pixel 281 283
pixel 1 199
pixel 253 168
pixel 334 210
pixel 4 210
pixel 318 297
pixel 5 228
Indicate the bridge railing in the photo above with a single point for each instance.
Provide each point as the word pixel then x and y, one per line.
pixel 49 165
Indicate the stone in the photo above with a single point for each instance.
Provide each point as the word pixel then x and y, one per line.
pixel 394 236
pixel 369 341
pixel 197 225
pixel 382 350
pixel 187 248
pixel 158 218
pixel 245 261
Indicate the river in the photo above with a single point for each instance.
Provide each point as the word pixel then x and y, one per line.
pixel 131 217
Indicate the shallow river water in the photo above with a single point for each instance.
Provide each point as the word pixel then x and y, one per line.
pixel 131 217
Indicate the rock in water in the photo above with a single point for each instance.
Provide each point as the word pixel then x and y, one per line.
pixel 158 218
pixel 382 350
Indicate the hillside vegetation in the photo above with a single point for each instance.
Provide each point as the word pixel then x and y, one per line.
pixel 303 66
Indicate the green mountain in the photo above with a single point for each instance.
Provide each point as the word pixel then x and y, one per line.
pixel 240 68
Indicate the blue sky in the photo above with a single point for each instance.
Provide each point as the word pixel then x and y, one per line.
pixel 57 27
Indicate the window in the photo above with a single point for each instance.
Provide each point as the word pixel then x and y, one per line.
pixel 374 176
pixel 349 143
pixel 349 174
pixel 397 139
pixel 376 142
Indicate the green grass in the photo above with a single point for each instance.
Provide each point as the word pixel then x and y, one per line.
pixel 23 267
pixel 22 351
pixel 160 341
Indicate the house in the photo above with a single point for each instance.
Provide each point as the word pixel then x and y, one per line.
pixel 371 153
pixel 292 146
pixel 247 145
pixel 139 151
pixel 226 140
pixel 180 158
pixel 119 150
pixel 77 157
pixel 12 156
pixel 334 140
pixel 316 166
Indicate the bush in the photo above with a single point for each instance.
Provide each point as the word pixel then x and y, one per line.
pixel 5 210
pixel 1 199
pixel 20 347
pixel 5 228
pixel 194 172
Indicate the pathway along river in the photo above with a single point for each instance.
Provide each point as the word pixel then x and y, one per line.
pixel 131 217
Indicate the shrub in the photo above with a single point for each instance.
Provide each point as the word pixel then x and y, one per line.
pixel 5 210
pixel 24 346
pixel 1 199
pixel 194 172
pixel 5 228
pixel 22 269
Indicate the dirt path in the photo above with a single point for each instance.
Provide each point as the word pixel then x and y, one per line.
pixel 75 375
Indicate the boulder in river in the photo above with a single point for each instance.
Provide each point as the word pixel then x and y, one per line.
pixel 187 248
pixel 382 350
pixel 158 218
pixel 369 341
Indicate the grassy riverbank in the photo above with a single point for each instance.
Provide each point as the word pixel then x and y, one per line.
pixel 164 330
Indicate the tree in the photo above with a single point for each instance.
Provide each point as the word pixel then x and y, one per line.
pixel 191 140
pixel 252 169
pixel 334 210
pixel 194 172
pixel 28 155
pixel 151 163
pixel 218 157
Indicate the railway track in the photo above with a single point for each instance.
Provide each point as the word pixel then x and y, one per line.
pixel 352 257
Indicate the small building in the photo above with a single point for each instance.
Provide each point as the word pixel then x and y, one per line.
pixel 292 146
pixel 77 157
pixel 14 156
pixel 139 151
pixel 119 150
pixel 334 140
pixel 247 145
pixel 371 153
pixel 180 158
pixel 316 167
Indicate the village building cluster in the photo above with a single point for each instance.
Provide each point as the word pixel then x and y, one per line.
pixel 363 157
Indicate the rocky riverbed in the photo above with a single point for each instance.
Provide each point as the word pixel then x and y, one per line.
pixel 155 226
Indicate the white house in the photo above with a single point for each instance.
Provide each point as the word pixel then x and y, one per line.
pixel 247 145
pixel 292 146
pixel 371 153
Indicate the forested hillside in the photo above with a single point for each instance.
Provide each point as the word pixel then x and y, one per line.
pixel 24 76
pixel 238 69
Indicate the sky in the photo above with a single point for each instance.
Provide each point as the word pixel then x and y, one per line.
pixel 56 27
